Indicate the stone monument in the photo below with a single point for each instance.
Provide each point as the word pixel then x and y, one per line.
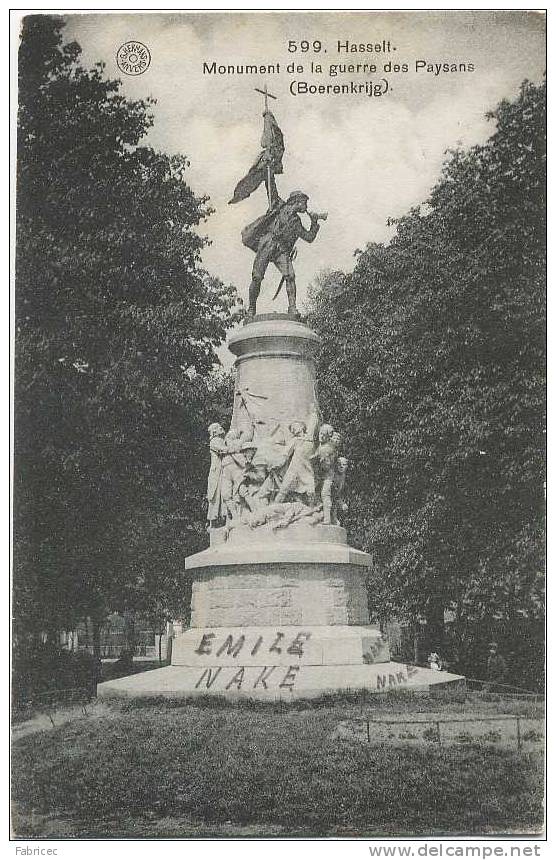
pixel 280 607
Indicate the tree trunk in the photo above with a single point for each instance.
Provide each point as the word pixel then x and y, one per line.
pixel 129 632
pixel 435 626
pixel 417 644
pixel 96 625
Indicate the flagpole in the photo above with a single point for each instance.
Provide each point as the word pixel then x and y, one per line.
pixel 268 186
pixel 266 94
pixel 268 165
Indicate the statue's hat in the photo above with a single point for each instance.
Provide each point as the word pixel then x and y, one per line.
pixel 298 195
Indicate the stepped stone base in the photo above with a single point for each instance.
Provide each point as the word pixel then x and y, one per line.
pixel 287 662
pixel 280 646
pixel 273 682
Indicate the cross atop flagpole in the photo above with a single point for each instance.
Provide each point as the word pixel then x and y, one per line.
pixel 266 95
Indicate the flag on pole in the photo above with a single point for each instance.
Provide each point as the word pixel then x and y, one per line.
pixel 272 143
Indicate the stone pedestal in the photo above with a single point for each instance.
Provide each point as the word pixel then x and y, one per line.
pixel 279 609
pixel 279 583
pixel 275 364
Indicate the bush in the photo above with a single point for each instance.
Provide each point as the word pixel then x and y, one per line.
pixel 40 668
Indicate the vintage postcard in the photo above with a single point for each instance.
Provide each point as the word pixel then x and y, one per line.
pixel 279 447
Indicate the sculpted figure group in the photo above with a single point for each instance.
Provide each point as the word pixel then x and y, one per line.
pixel 290 473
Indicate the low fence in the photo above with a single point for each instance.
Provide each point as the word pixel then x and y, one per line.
pixel 112 651
pixel 438 723
pixel 506 690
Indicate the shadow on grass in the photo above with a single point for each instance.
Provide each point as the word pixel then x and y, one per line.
pixel 398 701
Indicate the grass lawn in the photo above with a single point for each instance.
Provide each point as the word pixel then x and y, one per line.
pixel 156 769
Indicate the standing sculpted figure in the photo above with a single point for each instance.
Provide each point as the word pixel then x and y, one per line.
pixel 338 503
pixel 273 237
pixel 217 447
pixel 233 465
pixel 326 456
pixel 226 468
pixel 299 478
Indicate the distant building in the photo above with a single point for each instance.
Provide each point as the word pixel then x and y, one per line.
pixel 113 637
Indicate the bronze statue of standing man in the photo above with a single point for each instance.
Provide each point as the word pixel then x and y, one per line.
pixel 273 236
pixel 273 239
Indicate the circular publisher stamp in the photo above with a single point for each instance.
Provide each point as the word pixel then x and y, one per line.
pixel 133 58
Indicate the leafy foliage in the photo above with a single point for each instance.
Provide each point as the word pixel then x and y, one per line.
pixel 116 328
pixel 43 670
pixel 433 367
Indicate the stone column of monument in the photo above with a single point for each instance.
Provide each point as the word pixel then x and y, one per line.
pixel 279 598
pixel 279 606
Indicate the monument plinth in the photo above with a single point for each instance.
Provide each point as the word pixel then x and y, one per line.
pixel 279 599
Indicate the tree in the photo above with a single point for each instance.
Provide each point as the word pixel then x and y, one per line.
pixel 433 367
pixel 116 330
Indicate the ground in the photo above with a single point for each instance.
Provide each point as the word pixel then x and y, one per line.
pixel 209 768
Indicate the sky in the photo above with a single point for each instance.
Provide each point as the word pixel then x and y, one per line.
pixel 362 159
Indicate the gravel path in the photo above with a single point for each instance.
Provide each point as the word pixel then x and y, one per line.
pixel 42 722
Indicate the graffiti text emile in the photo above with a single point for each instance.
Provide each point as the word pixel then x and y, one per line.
pixel 233 649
